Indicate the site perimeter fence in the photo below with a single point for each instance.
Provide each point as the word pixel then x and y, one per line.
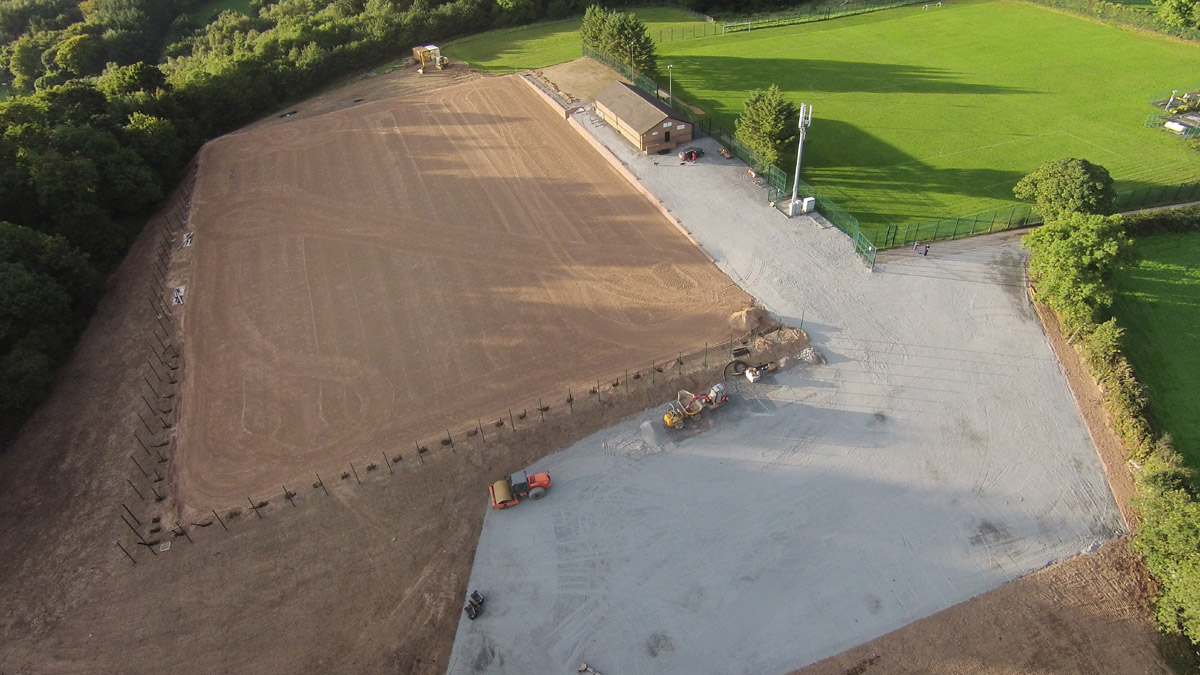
pixel 592 403
pixel 777 178
pixel 813 13
pixel 1024 216
pixel 836 215
pixel 628 71
pixel 1158 119
pixel 1121 14
pixel 1160 99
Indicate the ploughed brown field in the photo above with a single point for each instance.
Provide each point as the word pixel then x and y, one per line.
pixel 376 276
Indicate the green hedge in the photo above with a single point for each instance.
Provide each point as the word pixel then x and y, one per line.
pixel 1166 504
pixel 1122 14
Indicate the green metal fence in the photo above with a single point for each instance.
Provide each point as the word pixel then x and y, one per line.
pixel 815 12
pixel 839 217
pixel 779 180
pixel 1023 216
pixel 689 32
pixel 635 76
pixel 1161 98
pixel 1149 197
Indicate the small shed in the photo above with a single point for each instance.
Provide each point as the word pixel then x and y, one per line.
pixel 641 119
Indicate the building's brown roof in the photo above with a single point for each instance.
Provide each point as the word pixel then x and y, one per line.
pixel 633 106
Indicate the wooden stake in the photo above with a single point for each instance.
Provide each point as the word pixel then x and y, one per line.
pixel 131 558
pixel 139 466
pixel 135 530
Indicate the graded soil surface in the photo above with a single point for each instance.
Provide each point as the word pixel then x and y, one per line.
pixel 1085 615
pixel 371 278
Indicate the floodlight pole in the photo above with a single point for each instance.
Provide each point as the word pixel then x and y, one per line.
pixel 631 68
pixel 805 120
pixel 671 83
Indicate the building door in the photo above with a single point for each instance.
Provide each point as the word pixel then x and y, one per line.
pixel 667 137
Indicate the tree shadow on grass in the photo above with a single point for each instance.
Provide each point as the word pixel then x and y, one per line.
pixel 728 73
pixel 846 162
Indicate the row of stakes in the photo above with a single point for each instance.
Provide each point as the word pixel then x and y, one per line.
pixel 167 356
pixel 158 394
pixel 153 450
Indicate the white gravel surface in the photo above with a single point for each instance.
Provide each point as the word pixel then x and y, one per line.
pixel 937 455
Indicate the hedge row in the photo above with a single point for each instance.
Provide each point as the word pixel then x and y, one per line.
pixel 1125 15
pixel 1166 500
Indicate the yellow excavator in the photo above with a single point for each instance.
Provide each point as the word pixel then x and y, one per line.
pixel 430 55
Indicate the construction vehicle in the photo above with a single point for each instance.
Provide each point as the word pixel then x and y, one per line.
pixel 755 373
pixel 474 606
pixel 429 55
pixel 508 491
pixel 687 404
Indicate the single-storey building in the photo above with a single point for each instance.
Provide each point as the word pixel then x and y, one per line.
pixel 641 119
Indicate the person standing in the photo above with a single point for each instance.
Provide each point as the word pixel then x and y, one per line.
pixel 926 250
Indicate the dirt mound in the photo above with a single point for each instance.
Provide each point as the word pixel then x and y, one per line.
pixel 752 319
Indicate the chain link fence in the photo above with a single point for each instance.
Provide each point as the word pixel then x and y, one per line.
pixel 814 12
pixel 1023 216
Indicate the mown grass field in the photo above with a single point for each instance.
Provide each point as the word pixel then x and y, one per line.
pixel 1158 304
pixel 922 114
pixel 545 44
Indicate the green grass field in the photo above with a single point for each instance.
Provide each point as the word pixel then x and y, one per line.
pixel 545 44
pixel 1158 303
pixel 923 114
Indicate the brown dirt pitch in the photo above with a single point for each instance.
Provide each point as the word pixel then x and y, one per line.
pixel 373 277
pixel 1085 615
